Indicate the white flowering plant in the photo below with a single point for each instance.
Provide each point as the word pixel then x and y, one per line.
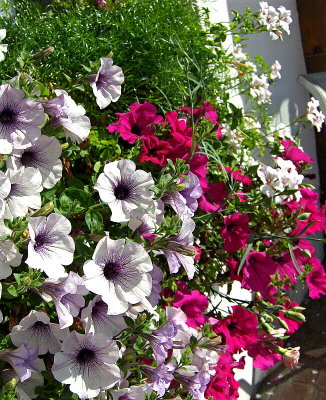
pixel 119 241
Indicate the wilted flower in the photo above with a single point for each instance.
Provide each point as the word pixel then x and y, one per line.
pixel 194 382
pixel 37 330
pixel 119 273
pixel 50 246
pixel 26 390
pixel 3 47
pixel 124 189
pixel 67 295
pixel 19 191
pixel 44 155
pixel 87 362
pixel 22 360
pixel 106 84
pixel 20 118
pixel 96 319
pixel 291 357
pixel 65 112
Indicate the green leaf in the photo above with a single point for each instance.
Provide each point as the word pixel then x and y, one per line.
pixel 94 221
pixel 12 290
pixel 75 200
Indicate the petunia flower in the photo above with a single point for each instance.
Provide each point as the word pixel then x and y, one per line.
pixel 20 190
pixel 87 362
pixel 20 119
pixel 106 84
pixel 67 294
pixel 124 188
pixel 9 254
pixel 119 273
pixel 26 390
pixel 180 251
pixel 22 360
pixel 184 202
pixel 195 383
pixel 36 330
pixel 139 121
pixel 44 155
pixel 131 393
pixel 96 319
pixel 65 112
pixel 50 246
pixel 161 377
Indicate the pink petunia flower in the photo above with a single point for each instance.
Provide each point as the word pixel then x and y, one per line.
pixel 139 121
pixel 193 304
pixel 235 232
pixel 154 150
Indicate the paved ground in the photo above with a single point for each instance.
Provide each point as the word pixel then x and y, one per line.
pixel 307 381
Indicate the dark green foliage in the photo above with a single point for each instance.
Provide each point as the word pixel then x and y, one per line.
pixel 160 46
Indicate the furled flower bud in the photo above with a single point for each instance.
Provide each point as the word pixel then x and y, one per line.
pixel 291 357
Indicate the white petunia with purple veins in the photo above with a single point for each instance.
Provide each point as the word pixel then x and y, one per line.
pixel 106 84
pixel 96 319
pixel 147 222
pixel 180 251
pixel 37 330
pixel 44 155
pixel 20 119
pixel 9 254
pixel 68 296
pixel 50 246
pixel 25 185
pixel 87 362
pixel 119 273
pixel 65 112
pixel 124 189
pixel 185 202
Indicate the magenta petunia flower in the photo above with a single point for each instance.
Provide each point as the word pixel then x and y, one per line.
pixel 239 328
pixel 20 119
pixel 139 121
pixel 257 271
pixel 193 304
pixel 154 150
pixel 235 232
pixel 106 84
pixel 316 279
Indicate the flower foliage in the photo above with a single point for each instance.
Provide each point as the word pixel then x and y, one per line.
pixel 119 234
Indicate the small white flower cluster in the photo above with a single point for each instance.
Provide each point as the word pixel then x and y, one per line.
pixel 275 21
pixel 315 116
pixel 3 47
pixel 259 89
pixel 277 180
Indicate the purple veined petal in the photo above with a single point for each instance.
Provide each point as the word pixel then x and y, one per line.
pixel 43 155
pixel 87 363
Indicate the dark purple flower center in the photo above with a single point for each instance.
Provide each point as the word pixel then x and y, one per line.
pixel 86 356
pixel 40 326
pixel 136 129
pixel 41 240
pixel 232 325
pixel 99 308
pixel 28 158
pixel 7 116
pixel 111 270
pixel 121 192
pixel 125 397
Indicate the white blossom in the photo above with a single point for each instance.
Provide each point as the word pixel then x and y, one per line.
pixel 315 116
pixel 3 47
pixel 124 188
pixel 9 254
pixel 50 246
pixel 37 330
pixel 119 273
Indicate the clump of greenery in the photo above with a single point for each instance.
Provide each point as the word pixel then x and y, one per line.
pixel 160 46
